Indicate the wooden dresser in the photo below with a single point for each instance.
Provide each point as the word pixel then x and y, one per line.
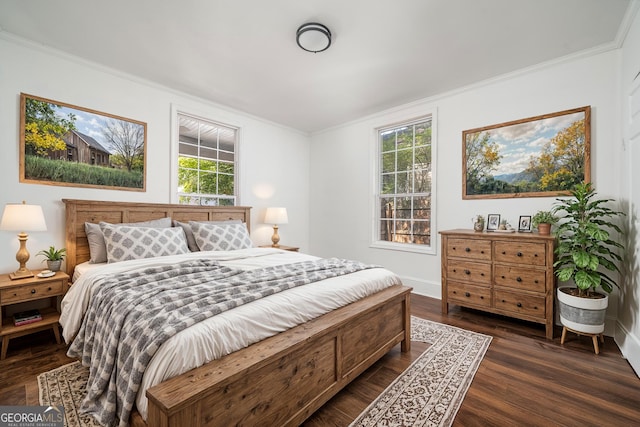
pixel 505 273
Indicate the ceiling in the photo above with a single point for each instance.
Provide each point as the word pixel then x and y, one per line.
pixel 243 53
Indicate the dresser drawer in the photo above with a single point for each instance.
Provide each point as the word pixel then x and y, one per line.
pixel 520 278
pixel 465 294
pixel 31 292
pixel 530 305
pixel 469 248
pixel 466 271
pixel 519 253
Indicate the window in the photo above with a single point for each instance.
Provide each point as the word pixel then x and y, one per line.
pixel 404 196
pixel 206 162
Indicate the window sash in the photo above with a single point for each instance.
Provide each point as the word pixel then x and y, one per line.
pixel 404 184
pixel 206 161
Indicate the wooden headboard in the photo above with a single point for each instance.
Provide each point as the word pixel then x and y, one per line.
pixel 80 211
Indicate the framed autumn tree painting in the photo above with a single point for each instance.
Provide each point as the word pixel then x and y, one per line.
pixel 62 144
pixel 539 156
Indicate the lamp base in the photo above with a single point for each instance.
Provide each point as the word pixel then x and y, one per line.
pixel 21 274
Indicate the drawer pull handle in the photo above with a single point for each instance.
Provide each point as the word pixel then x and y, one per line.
pixel 467 272
pixel 455 292
pixel 504 253
pixel 535 255
pixel 503 301
pixel 33 291
pixel 454 248
pixel 519 254
pixel 518 279
pixel 481 252
pixel 519 304
pixel 467 294
pixel 535 307
pixel 535 281
pixel 467 249
pixel 49 288
pixel 503 277
pixel 481 297
pixel 454 270
pixel 482 274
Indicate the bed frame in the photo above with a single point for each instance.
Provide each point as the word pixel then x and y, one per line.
pixel 281 380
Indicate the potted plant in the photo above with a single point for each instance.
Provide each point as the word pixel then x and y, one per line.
pixel 585 253
pixel 543 220
pixel 53 257
pixel 478 223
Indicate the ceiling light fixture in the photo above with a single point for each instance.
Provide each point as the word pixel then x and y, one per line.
pixel 313 37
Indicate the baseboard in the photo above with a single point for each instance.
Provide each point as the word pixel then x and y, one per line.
pixel 423 287
pixel 629 346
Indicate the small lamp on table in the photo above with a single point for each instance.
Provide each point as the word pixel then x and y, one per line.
pixel 22 217
pixel 276 216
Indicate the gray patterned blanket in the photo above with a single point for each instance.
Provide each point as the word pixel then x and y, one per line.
pixel 132 314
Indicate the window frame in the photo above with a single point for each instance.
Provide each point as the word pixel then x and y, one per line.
pixel 376 166
pixel 175 153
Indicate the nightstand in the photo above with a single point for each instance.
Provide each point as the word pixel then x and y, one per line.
pixel 31 289
pixel 283 247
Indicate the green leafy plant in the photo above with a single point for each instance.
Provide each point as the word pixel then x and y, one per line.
pixel 53 254
pixel 585 248
pixel 544 217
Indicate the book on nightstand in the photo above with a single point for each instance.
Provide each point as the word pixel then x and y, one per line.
pixel 26 317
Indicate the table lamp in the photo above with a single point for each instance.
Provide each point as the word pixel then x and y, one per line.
pixel 276 216
pixel 22 218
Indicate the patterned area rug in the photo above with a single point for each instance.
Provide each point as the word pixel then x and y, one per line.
pixel 428 393
pixel 431 390
pixel 65 386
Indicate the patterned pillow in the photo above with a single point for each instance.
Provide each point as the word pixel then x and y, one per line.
pixel 126 242
pixel 191 240
pixel 97 248
pixel 221 237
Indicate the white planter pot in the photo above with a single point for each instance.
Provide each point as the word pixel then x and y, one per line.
pixel 582 314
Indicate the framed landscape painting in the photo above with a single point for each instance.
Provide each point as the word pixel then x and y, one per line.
pixel 61 144
pixel 539 156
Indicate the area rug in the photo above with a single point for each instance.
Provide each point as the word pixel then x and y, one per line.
pixel 66 386
pixel 431 390
pixel 427 393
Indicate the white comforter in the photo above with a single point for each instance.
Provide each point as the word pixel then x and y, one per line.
pixel 234 329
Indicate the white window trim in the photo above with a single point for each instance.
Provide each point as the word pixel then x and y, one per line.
pixel 175 140
pixel 375 186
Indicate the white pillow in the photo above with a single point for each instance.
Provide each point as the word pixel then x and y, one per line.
pixel 97 248
pixel 221 237
pixel 127 242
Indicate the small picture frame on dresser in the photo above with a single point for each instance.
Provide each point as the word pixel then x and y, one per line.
pixel 493 221
pixel 524 224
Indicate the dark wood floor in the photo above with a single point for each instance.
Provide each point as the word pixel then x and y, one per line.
pixel 523 380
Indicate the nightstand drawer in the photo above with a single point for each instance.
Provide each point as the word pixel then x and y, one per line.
pixel 31 291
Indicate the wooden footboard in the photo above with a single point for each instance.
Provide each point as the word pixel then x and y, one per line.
pixel 284 379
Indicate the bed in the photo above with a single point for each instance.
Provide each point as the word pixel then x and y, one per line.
pixel 279 380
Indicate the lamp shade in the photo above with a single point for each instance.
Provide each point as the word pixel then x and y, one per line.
pixel 22 217
pixel 313 37
pixel 276 216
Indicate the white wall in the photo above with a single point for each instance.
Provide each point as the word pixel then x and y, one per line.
pixel 627 332
pixel 341 168
pixel 273 160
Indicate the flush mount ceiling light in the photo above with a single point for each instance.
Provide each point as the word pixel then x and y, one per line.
pixel 313 37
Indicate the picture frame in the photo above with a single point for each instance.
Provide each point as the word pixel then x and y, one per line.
pixel 493 222
pixel 541 156
pixel 66 145
pixel 524 224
